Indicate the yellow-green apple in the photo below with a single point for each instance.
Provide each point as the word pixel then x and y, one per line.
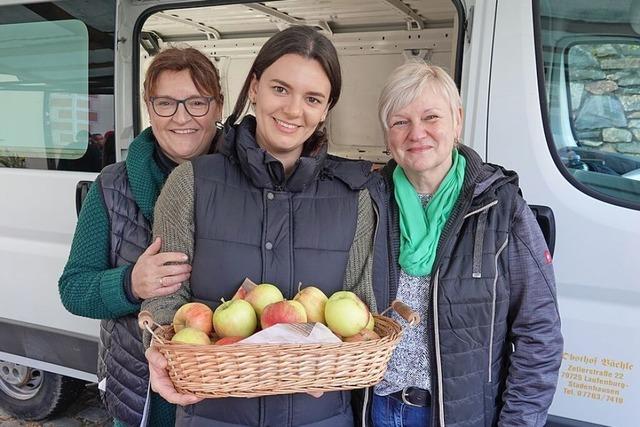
pixel 286 311
pixel 263 295
pixel 346 314
pixel 372 322
pixel 193 315
pixel 191 336
pixel 363 335
pixel 235 318
pixel 313 301
pixel 228 340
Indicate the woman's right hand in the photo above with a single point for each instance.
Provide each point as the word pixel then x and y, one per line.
pixel 161 383
pixel 151 277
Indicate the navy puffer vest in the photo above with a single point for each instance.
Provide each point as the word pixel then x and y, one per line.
pixel 121 358
pixel 252 221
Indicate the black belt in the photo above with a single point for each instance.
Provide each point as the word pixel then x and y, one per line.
pixel 413 396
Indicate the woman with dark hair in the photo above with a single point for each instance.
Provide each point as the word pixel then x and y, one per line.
pixel 274 207
pixel 114 265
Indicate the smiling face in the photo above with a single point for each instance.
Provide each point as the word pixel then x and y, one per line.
pixel 421 138
pixel 291 99
pixel 182 137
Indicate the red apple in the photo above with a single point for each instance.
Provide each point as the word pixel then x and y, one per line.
pixel 228 340
pixel 191 336
pixel 313 300
pixel 240 293
pixel 263 295
pixel 346 314
pixel 287 311
pixel 244 289
pixel 235 318
pixel 193 315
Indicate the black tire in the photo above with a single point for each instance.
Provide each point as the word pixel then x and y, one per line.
pixel 32 394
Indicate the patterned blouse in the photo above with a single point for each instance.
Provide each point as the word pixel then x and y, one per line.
pixel 409 365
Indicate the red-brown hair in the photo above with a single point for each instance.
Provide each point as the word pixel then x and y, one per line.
pixel 203 73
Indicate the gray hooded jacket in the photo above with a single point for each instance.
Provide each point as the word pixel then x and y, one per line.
pixel 495 321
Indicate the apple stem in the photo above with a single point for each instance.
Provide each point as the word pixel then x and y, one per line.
pixel 222 299
pixel 299 286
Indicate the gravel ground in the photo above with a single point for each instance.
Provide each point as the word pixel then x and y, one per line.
pixel 86 411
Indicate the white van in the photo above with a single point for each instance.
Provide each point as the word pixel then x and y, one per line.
pixel 551 89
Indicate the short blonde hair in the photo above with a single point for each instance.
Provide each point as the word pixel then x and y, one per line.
pixel 407 82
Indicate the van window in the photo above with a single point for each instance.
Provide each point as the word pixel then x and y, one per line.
pixel 591 63
pixel 56 85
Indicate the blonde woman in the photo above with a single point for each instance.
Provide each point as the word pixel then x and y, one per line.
pixel 468 255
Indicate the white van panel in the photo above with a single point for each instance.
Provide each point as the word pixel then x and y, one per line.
pixel 37 221
pixel 596 267
pixel 476 71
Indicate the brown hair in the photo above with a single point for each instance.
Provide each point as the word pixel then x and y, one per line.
pixel 203 73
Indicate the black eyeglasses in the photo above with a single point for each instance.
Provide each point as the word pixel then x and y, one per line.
pixel 196 106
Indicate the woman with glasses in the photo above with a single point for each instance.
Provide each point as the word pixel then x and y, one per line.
pixel 114 265
pixel 271 205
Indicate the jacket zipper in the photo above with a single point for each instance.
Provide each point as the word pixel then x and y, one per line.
pixel 485 207
pixel 365 403
pixel 436 336
pixel 493 306
pixel 292 285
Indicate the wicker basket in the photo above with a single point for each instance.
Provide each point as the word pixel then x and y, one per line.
pixel 251 370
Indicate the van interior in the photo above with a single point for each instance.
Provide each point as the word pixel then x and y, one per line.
pixel 371 37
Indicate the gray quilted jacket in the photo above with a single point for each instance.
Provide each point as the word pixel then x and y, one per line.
pixel 494 315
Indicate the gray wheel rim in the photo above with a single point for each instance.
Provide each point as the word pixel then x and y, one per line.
pixel 19 382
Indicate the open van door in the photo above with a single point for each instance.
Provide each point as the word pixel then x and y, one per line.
pixel 371 39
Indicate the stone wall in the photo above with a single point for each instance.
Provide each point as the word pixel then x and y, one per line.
pixel 605 96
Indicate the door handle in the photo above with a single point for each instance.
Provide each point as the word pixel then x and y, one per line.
pixel 82 189
pixel 547 223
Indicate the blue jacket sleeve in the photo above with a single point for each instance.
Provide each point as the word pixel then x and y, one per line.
pixel 534 322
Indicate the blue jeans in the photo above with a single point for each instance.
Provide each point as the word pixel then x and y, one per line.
pixel 387 411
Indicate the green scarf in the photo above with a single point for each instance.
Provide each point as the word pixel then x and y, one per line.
pixel 421 227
